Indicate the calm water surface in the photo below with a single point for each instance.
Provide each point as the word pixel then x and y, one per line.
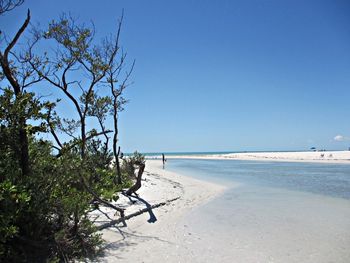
pixel 271 212
pixel 325 179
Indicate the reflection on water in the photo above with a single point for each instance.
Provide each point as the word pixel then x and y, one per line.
pixel 325 179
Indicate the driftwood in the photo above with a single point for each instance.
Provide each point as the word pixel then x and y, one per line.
pixel 100 200
pixel 144 210
pixel 137 185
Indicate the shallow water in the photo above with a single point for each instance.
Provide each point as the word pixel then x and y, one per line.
pixel 271 212
pixel 325 179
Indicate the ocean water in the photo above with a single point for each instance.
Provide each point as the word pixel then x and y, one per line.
pixel 156 154
pixel 270 212
pixel 319 178
pixel 153 154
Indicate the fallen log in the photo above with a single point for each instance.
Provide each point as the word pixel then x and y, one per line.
pixel 144 210
pixel 100 200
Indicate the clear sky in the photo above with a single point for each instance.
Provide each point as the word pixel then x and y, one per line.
pixel 226 75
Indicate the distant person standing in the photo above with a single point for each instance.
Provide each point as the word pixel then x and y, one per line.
pixel 163 158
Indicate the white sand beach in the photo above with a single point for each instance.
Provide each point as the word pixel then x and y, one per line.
pixel 318 156
pixel 262 224
pixel 153 237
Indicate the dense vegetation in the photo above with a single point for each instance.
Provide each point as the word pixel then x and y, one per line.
pixel 49 186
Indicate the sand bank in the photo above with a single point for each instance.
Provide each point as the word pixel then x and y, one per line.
pixel 153 237
pixel 244 224
pixel 319 157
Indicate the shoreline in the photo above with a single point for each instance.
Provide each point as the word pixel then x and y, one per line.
pixel 248 223
pixel 153 236
pixel 327 157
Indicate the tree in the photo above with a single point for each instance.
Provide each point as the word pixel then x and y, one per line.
pixel 135 161
pixel 18 82
pixel 45 196
pixel 94 66
pixel 118 101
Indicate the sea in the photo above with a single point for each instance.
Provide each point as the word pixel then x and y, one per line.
pixel 270 212
pixel 319 178
pixel 157 154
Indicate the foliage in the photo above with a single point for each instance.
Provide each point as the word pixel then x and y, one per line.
pixel 43 215
pixel 131 162
pixel 44 210
pixel 50 208
pixel 13 200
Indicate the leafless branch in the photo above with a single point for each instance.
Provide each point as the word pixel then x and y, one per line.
pixel 4 57
pixel 71 146
pixel 8 5
pixel 52 129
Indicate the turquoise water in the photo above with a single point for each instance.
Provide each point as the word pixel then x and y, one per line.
pixel 151 154
pixel 184 153
pixel 325 179
pixel 270 212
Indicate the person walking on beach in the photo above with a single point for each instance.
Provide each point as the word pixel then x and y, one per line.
pixel 163 158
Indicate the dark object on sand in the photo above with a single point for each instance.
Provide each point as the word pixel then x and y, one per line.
pixel 137 185
pixel 163 158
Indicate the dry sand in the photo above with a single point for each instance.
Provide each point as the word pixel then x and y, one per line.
pixel 154 237
pixel 265 225
pixel 319 157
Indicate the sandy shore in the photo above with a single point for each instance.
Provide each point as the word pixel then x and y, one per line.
pixel 243 223
pixel 154 236
pixel 319 157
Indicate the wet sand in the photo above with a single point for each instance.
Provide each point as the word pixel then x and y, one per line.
pixel 236 223
pixel 154 237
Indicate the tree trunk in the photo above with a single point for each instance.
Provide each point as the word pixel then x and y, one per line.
pixel 24 148
pixel 9 74
pixel 119 174
pixel 137 213
pixel 98 199
pixel 115 152
pixel 83 137
pixel 137 185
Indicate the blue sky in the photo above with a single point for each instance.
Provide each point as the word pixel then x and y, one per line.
pixel 226 75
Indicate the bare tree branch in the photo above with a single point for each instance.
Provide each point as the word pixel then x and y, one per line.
pixel 8 5
pixel 52 129
pixel 71 146
pixel 137 213
pixel 4 57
